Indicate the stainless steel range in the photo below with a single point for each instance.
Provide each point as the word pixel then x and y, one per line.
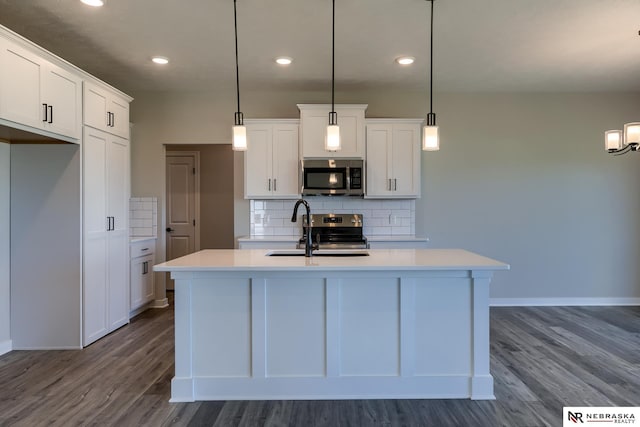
pixel 335 231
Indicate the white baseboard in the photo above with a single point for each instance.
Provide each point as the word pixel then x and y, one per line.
pixel 532 302
pixel 5 347
pixel 159 303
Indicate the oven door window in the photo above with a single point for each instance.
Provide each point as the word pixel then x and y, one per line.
pixel 325 179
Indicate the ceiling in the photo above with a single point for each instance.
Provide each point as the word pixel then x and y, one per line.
pixel 490 45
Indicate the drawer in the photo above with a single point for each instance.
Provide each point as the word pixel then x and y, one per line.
pixel 143 248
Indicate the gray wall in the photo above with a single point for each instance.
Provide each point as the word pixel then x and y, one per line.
pixel 46 224
pixel 521 177
pixel 5 249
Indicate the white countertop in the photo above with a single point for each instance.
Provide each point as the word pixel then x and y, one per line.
pixel 378 259
pixel 141 239
pixel 371 238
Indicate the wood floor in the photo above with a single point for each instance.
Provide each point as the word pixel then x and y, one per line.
pixel 541 358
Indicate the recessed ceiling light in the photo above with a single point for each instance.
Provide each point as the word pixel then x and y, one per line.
pixel 95 3
pixel 160 60
pixel 284 60
pixel 405 60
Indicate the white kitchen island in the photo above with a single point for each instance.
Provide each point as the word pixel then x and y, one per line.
pixel 399 323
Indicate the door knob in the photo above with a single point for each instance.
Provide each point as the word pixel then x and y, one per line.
pixel 169 229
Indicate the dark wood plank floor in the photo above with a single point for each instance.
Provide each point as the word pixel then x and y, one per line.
pixel 541 358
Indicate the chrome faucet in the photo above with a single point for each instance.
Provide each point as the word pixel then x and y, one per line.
pixel 308 244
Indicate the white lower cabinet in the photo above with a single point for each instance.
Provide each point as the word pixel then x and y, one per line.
pixel 393 158
pixel 106 233
pixel 142 260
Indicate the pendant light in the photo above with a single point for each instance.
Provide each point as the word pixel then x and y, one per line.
pixel 620 142
pixel 332 139
pixel 430 139
pixel 239 130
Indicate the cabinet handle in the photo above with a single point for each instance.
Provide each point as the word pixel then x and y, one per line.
pixel 45 119
pixel 50 113
pixel 269 184
pixel 113 223
pixel 144 249
pixel 108 223
pixel 395 184
pixel 113 120
pixel 145 267
pixel 275 187
pixel 389 184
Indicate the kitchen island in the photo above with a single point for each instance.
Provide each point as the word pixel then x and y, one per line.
pixel 399 323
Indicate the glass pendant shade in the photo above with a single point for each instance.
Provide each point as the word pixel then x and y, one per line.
pixel 613 139
pixel 332 141
pixel 430 139
pixel 239 138
pixel 632 133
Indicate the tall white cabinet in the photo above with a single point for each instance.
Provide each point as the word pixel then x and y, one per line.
pixel 106 159
pixel 68 203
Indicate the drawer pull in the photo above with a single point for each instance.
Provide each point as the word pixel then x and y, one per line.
pixel 145 249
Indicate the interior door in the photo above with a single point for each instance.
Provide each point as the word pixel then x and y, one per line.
pixel 181 215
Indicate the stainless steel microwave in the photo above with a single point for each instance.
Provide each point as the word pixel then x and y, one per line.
pixel 332 177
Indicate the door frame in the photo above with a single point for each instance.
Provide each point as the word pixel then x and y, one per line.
pixel 196 191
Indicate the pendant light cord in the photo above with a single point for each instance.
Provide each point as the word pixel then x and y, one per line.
pixel 238 118
pixel 431 117
pixel 333 116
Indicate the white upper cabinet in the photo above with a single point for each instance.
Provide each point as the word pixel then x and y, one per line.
pixel 271 159
pixel 393 158
pixel 37 95
pixel 314 119
pixel 105 110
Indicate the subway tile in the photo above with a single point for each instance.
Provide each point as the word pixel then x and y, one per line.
pixel 273 205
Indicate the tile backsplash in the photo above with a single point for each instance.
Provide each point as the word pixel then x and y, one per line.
pixel 381 217
pixel 143 216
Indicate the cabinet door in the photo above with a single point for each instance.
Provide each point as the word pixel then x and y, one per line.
pixel 95 290
pixel 313 125
pixel 405 155
pixel 258 181
pixel 147 287
pixel 118 207
pixel 352 138
pixel 95 106
pixel 118 273
pixel 137 283
pixel 20 85
pixel 61 91
pixel 119 123
pixel 378 177
pixel 285 161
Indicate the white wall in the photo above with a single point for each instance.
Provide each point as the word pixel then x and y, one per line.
pixel 5 249
pixel 521 177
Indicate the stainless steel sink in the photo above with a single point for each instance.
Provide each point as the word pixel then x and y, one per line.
pixel 320 252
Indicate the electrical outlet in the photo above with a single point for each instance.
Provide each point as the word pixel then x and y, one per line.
pixel 393 219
